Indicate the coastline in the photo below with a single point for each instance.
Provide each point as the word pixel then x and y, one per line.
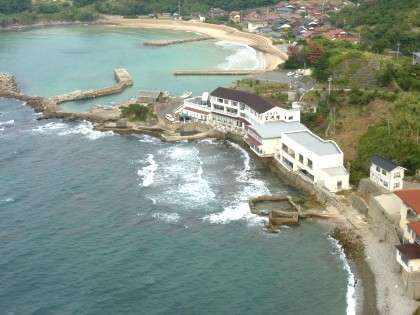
pixel 272 55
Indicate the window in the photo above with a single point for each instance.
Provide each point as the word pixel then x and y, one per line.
pixel 397 175
pixel 339 185
pixel 226 101
pixel 242 106
pixel 218 107
pixel 220 100
pixel 301 158
pixel 292 153
pixel 310 163
pixel 232 110
pixel 385 184
pixel 234 103
pixel 397 185
pixel 378 169
pixel 384 172
pixel 285 148
pixel 290 117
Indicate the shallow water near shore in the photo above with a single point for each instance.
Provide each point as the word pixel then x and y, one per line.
pixel 97 223
pixel 56 60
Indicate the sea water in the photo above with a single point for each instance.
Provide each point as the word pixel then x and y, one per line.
pixel 98 223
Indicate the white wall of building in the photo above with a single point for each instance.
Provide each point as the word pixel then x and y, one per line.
pixel 391 181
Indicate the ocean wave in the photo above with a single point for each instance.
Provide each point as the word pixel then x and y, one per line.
pixel 86 129
pixel 148 172
pixel 252 187
pixel 50 126
pixel 241 211
pixel 147 139
pixel 351 284
pixel 166 217
pixel 7 123
pixel 7 200
pixel 244 57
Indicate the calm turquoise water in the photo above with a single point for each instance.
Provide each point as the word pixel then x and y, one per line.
pixel 51 61
pixel 96 223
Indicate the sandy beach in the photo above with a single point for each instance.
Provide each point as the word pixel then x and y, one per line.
pixel 273 56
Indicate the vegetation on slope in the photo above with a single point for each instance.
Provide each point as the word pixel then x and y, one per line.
pixel 27 11
pixel 383 24
pixel 139 112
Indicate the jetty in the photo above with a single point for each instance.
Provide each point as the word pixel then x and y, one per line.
pixel 216 72
pixel 122 77
pixel 164 42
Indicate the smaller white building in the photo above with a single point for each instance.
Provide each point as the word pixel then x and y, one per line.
pixel 317 160
pixel 254 25
pixel 265 138
pixel 386 173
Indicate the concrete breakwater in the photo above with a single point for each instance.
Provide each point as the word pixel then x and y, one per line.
pixel 161 43
pixel 122 77
pixel 216 72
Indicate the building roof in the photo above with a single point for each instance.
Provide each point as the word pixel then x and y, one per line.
pixel 257 103
pixel 275 129
pixel 383 163
pixel 415 226
pixel 409 251
pixel 150 94
pixel 411 197
pixel 336 171
pixel 314 143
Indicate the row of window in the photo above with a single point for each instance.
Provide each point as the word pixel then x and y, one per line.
pixel 292 153
pixel 384 172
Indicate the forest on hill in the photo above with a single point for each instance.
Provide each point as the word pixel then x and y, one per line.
pixel 383 24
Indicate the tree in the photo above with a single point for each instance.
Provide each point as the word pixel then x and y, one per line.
pixel 14 6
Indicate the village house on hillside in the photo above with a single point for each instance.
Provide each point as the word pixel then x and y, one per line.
pixel 386 173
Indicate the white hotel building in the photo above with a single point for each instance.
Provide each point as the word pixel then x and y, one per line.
pixel 273 131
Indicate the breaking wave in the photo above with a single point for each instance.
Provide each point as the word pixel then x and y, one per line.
pixel 351 284
pixel 239 209
pixel 166 217
pixel 244 57
pixel 7 123
pixel 148 172
pixel 85 128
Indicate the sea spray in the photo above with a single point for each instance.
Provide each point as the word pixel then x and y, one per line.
pixel 351 283
pixel 239 209
pixel 148 172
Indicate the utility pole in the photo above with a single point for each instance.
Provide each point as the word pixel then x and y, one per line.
pixel 329 86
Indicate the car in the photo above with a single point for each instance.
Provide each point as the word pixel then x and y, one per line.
pixel 289 74
pixel 170 117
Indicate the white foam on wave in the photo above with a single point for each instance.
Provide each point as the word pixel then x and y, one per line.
pixel 351 284
pixel 236 212
pixel 244 57
pixel 148 139
pixel 184 168
pixel 86 129
pixel 7 123
pixel 7 200
pixel 239 209
pixel 166 217
pixel 148 172
pixel 50 126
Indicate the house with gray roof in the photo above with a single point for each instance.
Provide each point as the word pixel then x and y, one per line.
pixel 385 173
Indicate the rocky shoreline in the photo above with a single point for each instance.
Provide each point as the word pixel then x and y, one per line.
pixel 111 120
